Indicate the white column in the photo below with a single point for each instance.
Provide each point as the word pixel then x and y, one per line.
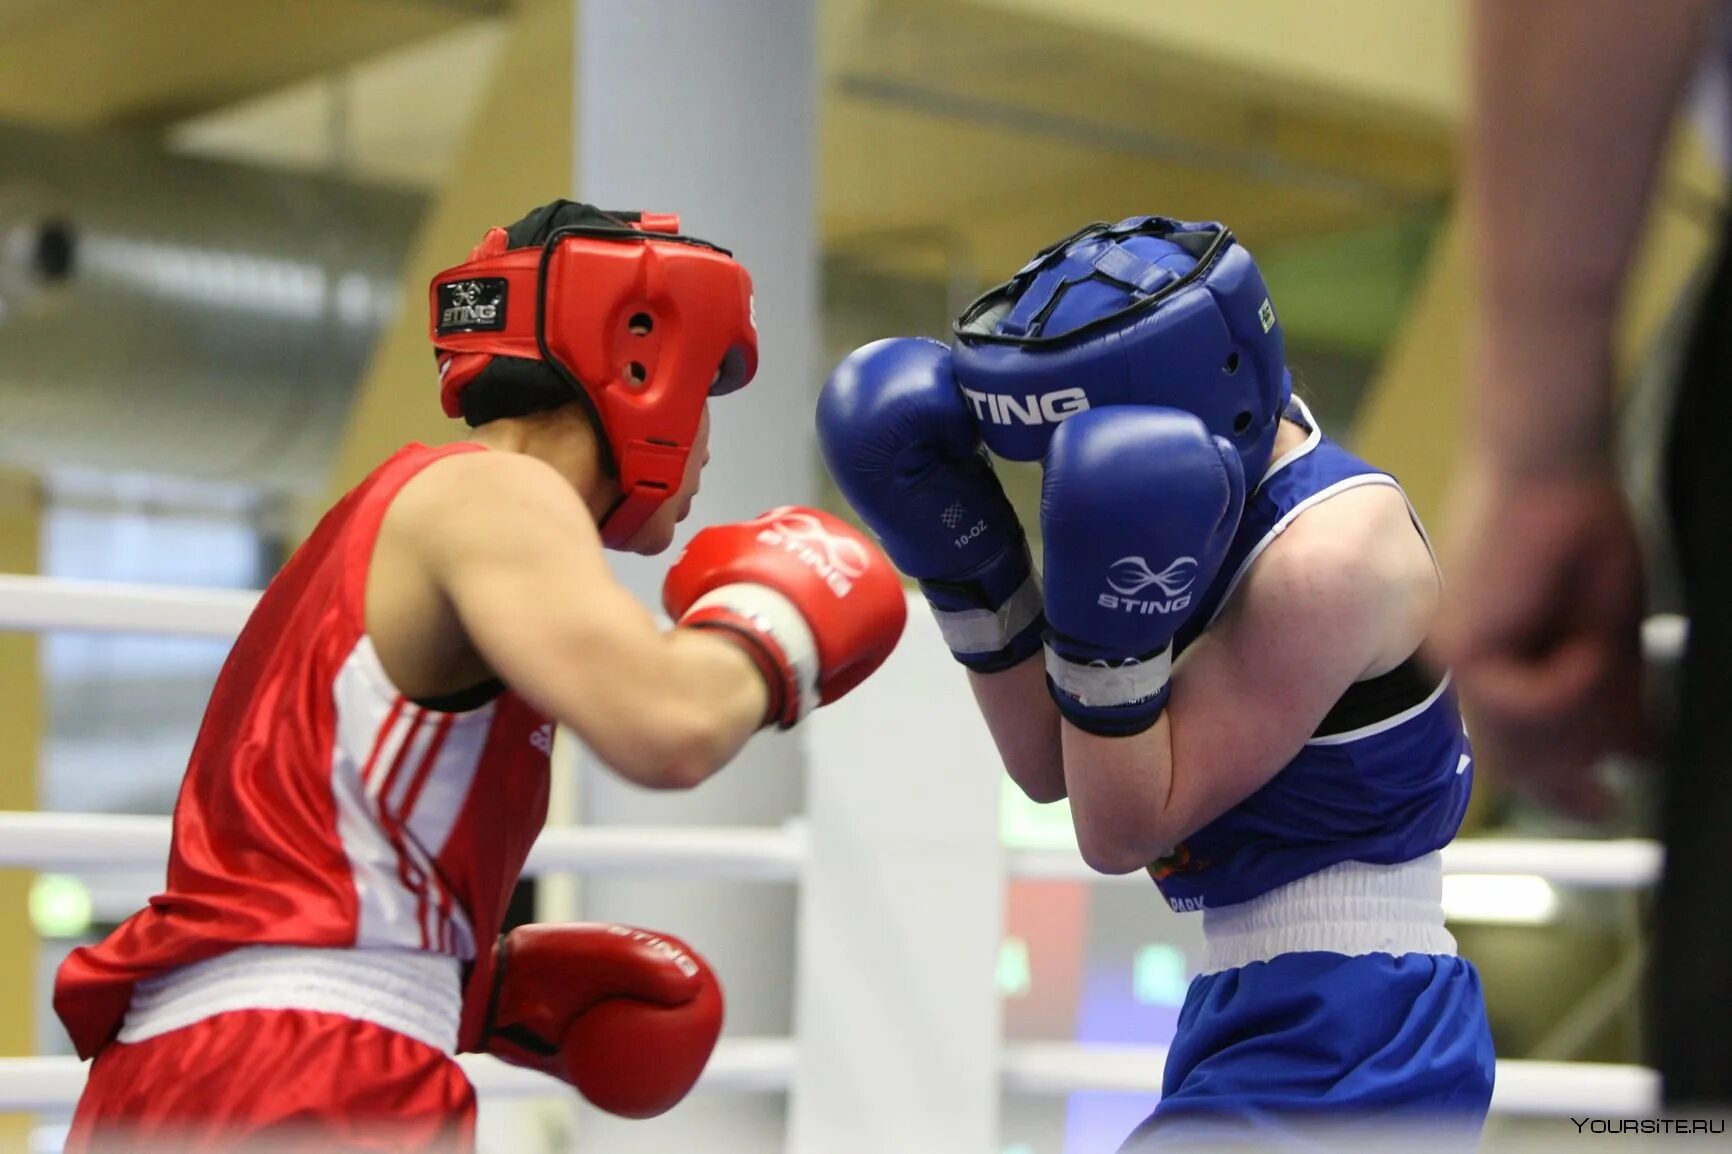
pixel 901 915
pixel 710 110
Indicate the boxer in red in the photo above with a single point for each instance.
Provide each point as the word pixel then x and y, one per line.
pixel 372 768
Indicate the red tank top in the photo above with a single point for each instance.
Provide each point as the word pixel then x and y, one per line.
pixel 321 808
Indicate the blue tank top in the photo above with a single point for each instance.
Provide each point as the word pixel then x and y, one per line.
pixel 1389 790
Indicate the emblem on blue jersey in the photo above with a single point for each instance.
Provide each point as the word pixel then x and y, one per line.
pixel 1179 861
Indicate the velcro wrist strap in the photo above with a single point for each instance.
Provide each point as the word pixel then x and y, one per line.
pixel 993 617
pixel 762 615
pixel 1098 685
pixel 980 631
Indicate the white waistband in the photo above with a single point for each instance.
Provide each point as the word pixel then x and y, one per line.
pixel 411 992
pixel 1351 908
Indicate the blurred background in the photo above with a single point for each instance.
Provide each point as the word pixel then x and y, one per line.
pixel 218 217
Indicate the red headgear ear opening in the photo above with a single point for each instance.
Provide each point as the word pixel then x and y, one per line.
pixel 643 322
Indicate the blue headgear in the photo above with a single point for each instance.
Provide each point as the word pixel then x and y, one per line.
pixel 1149 311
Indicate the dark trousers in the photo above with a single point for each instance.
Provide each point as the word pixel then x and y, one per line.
pixel 1692 979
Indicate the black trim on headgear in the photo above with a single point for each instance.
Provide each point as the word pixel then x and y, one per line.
pixel 975 323
pixel 512 387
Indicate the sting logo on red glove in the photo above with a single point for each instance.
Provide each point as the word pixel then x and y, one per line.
pixel 682 961
pixel 840 561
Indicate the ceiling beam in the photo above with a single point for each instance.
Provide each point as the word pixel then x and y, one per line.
pixel 141 64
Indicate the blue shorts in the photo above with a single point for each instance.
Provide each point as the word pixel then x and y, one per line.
pixel 1371 1040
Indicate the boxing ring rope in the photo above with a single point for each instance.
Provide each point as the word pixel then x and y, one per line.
pixel 64 841
pixel 767 1065
pixel 790 853
pixel 739 1065
pixel 1621 864
pixel 39 604
pixel 61 841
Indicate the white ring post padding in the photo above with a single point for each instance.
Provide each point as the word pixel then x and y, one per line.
pixel 765 1065
pixel 68 841
pixel 41 604
pixel 1623 864
pixel 901 918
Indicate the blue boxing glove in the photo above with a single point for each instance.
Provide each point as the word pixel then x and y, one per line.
pixel 1138 508
pixel 903 448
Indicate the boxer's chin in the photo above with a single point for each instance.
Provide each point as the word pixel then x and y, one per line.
pixel 652 537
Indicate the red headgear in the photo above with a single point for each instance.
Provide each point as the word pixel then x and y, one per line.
pixel 643 323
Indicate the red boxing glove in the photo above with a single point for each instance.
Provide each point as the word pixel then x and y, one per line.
pixel 815 603
pixel 627 1016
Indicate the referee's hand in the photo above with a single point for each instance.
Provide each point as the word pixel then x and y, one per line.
pixel 1542 627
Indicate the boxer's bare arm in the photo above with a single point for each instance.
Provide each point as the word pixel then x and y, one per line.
pixel 516 559
pixel 1024 724
pixel 1347 592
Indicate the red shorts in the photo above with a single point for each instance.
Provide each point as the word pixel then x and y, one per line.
pixel 270 1080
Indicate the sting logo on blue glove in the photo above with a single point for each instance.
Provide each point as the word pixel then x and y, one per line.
pixel 1105 603
pixel 1129 576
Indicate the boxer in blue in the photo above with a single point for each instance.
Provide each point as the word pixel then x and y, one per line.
pixel 1220 672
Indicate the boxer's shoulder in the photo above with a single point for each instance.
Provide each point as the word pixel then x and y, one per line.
pixel 484 501
pixel 1351 572
pixel 1361 532
pixel 493 480
pixel 471 536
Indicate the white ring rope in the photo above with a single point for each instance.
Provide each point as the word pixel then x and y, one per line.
pixel 1622 864
pixel 746 1065
pixel 766 1065
pixel 39 604
pixel 36 604
pixel 1549 1089
pixel 66 841
pixel 73 841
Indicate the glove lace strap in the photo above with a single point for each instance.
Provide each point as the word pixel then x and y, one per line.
pixel 524 1039
pixel 501 960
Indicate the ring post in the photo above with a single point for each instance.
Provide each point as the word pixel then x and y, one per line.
pixel 901 912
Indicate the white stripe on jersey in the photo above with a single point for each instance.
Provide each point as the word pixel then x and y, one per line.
pixel 400 775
